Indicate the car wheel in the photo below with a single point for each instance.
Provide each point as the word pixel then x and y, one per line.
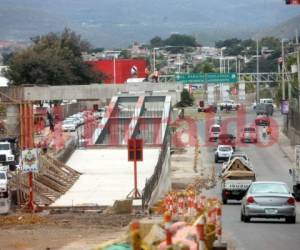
pixel 290 219
pixel 242 216
pixel 247 218
pixel 224 200
pixel 216 159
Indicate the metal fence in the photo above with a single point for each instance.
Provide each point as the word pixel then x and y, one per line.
pixel 154 179
pixel 294 118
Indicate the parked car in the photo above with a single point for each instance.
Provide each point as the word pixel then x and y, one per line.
pixel 249 134
pixel 69 126
pixel 210 108
pixel 223 152
pixel 214 132
pixel 73 120
pixel 227 139
pixel 229 105
pixel 262 120
pixel 267 199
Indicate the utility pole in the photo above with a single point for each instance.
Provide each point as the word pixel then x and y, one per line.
pixel 298 67
pixel 282 70
pixel 257 72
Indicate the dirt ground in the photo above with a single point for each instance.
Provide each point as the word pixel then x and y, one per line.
pixel 69 231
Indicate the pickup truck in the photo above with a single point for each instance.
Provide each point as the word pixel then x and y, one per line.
pixel 236 179
pixel 229 105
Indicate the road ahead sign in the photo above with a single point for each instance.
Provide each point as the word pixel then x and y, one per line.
pixel 201 78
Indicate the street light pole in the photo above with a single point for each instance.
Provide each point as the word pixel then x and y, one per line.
pixel 298 66
pixel 114 69
pixel 257 71
pixel 282 70
pixel 154 58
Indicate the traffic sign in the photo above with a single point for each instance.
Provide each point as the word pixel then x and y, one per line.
pixel 202 78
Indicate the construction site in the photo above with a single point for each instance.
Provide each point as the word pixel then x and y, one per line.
pixel 87 188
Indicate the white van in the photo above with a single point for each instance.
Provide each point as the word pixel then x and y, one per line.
pixel 214 132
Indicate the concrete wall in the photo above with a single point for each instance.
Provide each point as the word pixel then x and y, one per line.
pixel 294 136
pixel 101 91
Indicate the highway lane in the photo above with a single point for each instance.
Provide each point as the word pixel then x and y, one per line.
pixel 270 164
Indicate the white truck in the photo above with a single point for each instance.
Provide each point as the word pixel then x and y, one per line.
pixel 7 156
pixel 4 189
pixel 229 105
pixel 236 179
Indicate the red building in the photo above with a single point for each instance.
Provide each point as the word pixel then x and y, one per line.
pixel 121 67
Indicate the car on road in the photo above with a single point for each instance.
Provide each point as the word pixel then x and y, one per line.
pixel 268 199
pixel 214 132
pixel 262 120
pixel 264 109
pixel 209 108
pixel 229 105
pixel 227 139
pixel 249 134
pixel 69 126
pixel 223 152
pixel 264 101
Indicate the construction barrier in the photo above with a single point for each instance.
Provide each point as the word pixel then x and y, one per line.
pixel 190 221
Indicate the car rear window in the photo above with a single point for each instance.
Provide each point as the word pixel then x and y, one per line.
pixel 249 129
pixel 2 176
pixel 215 129
pixel 268 188
pixel 225 149
pixel 225 136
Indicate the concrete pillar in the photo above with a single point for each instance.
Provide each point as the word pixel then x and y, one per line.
pixel 13 119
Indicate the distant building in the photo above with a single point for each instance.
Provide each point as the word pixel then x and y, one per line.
pixel 138 50
pixel 106 54
pixel 120 70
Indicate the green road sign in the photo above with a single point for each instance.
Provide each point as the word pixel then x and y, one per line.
pixel 201 78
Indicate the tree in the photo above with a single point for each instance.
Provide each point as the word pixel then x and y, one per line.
pixel 205 67
pixel 156 42
pixel 180 40
pixel 53 59
pixel 186 99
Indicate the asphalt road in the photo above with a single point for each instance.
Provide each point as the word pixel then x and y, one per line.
pixel 269 163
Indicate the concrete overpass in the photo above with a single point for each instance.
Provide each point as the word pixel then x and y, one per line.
pixel 98 91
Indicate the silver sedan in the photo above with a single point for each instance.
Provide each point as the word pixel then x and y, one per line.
pixel 265 199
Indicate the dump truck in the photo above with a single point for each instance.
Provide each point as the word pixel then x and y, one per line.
pixel 236 178
pixel 9 152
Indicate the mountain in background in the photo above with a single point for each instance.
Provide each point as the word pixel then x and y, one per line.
pixel 286 29
pixel 118 23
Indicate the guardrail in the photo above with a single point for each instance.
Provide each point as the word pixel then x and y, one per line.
pixel 154 179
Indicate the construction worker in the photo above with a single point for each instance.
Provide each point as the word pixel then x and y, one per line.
pixel 156 75
pixel 147 72
pixel 269 130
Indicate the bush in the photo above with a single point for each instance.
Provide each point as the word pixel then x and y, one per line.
pixel 186 99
